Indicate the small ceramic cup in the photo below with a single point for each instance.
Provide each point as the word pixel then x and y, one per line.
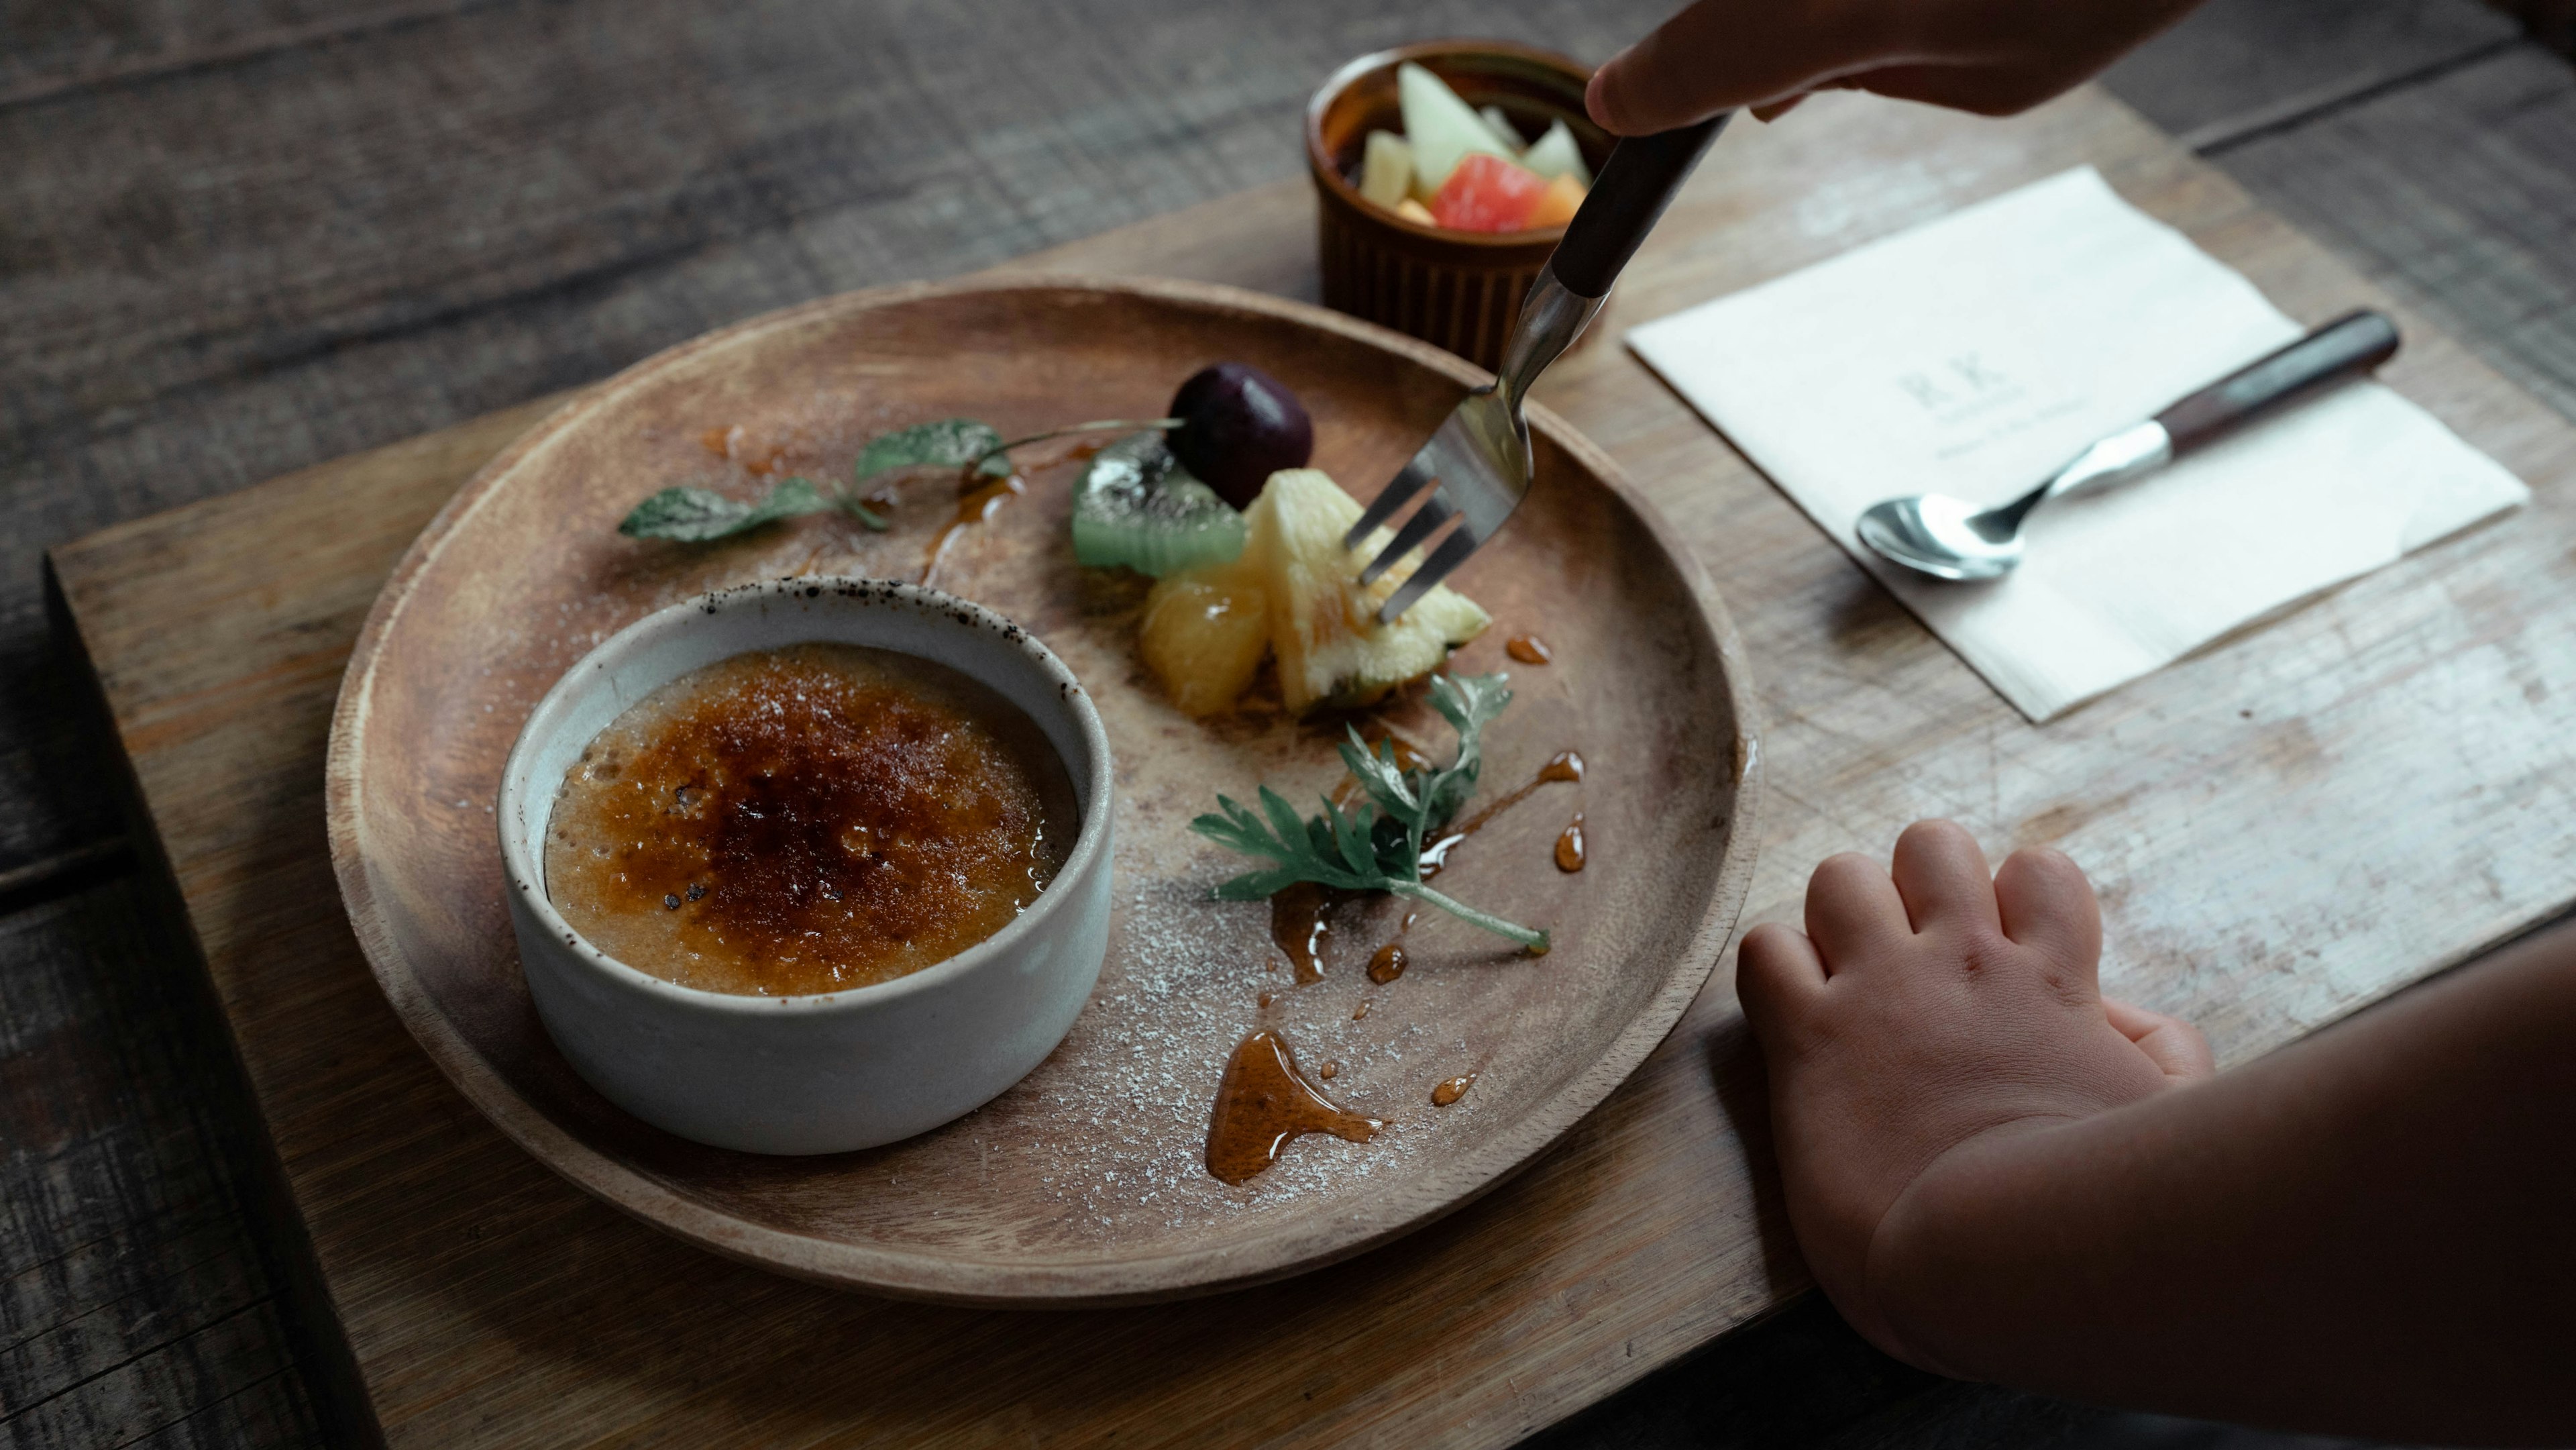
pixel 1453 289
pixel 840 1070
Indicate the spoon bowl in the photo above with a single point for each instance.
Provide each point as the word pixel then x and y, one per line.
pixel 1942 536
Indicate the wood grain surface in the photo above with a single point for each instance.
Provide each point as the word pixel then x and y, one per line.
pixel 2289 824
pixel 132 1200
pixel 1086 1182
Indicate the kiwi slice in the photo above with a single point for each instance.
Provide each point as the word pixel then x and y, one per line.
pixel 1136 507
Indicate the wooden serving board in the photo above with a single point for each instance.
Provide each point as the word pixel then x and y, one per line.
pixel 2285 827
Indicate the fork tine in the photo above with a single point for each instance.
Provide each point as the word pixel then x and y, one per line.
pixel 1425 522
pixel 1399 491
pixel 1453 551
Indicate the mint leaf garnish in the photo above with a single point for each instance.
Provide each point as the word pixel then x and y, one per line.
pixel 946 443
pixel 1378 845
pixel 695 515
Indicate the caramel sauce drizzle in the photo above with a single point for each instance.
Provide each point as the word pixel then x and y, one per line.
pixel 1388 964
pixel 1263 1102
pixel 1452 1090
pixel 977 507
pixel 1565 765
pixel 1569 846
pixel 1298 925
pixel 980 502
pixel 1529 649
pixel 734 444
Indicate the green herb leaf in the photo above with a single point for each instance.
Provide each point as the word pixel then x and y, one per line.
pixel 695 515
pixel 1420 802
pixel 1469 703
pixel 1378 845
pixel 947 443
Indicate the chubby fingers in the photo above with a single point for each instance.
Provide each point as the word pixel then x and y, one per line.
pixel 2047 905
pixel 1777 976
pixel 1943 877
pixel 1854 913
pixel 2173 1045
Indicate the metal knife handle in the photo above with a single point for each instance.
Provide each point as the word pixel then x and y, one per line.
pixel 2347 347
pixel 1635 185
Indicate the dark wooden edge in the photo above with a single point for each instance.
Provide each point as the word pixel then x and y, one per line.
pixel 314 1326
pixel 1295 1249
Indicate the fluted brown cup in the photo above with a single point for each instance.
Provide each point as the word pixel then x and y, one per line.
pixel 1455 289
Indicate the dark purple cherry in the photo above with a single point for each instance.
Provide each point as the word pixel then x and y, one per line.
pixel 1239 425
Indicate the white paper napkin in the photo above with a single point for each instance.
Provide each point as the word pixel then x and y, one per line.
pixel 1976 354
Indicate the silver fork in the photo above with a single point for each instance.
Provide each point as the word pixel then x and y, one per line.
pixel 1477 465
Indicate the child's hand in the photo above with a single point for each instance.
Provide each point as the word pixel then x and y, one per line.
pixel 1919 1013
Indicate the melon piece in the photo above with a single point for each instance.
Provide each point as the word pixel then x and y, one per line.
pixel 1487 194
pixel 1414 211
pixel 1442 129
pixel 1205 633
pixel 1504 130
pixel 1555 154
pixel 1386 169
pixel 1323 625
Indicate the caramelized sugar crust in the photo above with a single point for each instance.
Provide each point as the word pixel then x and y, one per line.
pixel 807 819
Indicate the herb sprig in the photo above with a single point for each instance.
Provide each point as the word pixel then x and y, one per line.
pixel 1376 846
pixel 694 515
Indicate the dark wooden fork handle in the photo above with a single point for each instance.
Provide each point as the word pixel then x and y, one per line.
pixel 2347 347
pixel 1635 185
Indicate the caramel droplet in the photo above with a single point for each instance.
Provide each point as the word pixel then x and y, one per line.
pixel 1297 924
pixel 1569 845
pixel 1387 965
pixel 1329 1071
pixel 976 506
pixel 1529 649
pixel 1359 1012
pixel 1564 765
pixel 1265 999
pixel 1452 1090
pixel 1262 1102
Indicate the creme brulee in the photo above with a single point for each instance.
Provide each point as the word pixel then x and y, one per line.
pixel 807 819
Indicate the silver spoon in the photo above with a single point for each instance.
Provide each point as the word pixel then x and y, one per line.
pixel 1951 538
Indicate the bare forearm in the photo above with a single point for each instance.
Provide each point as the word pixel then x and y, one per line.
pixel 2372 1230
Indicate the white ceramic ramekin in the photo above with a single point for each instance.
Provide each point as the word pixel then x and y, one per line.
pixel 840 1070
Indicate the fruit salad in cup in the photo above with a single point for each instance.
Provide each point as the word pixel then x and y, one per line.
pixel 1470 170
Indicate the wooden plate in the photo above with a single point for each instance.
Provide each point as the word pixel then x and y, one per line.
pixel 1085 1183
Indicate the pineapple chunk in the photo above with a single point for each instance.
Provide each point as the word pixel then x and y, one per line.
pixel 1205 632
pixel 1295 590
pixel 1331 649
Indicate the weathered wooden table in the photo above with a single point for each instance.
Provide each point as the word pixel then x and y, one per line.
pixel 136 1308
